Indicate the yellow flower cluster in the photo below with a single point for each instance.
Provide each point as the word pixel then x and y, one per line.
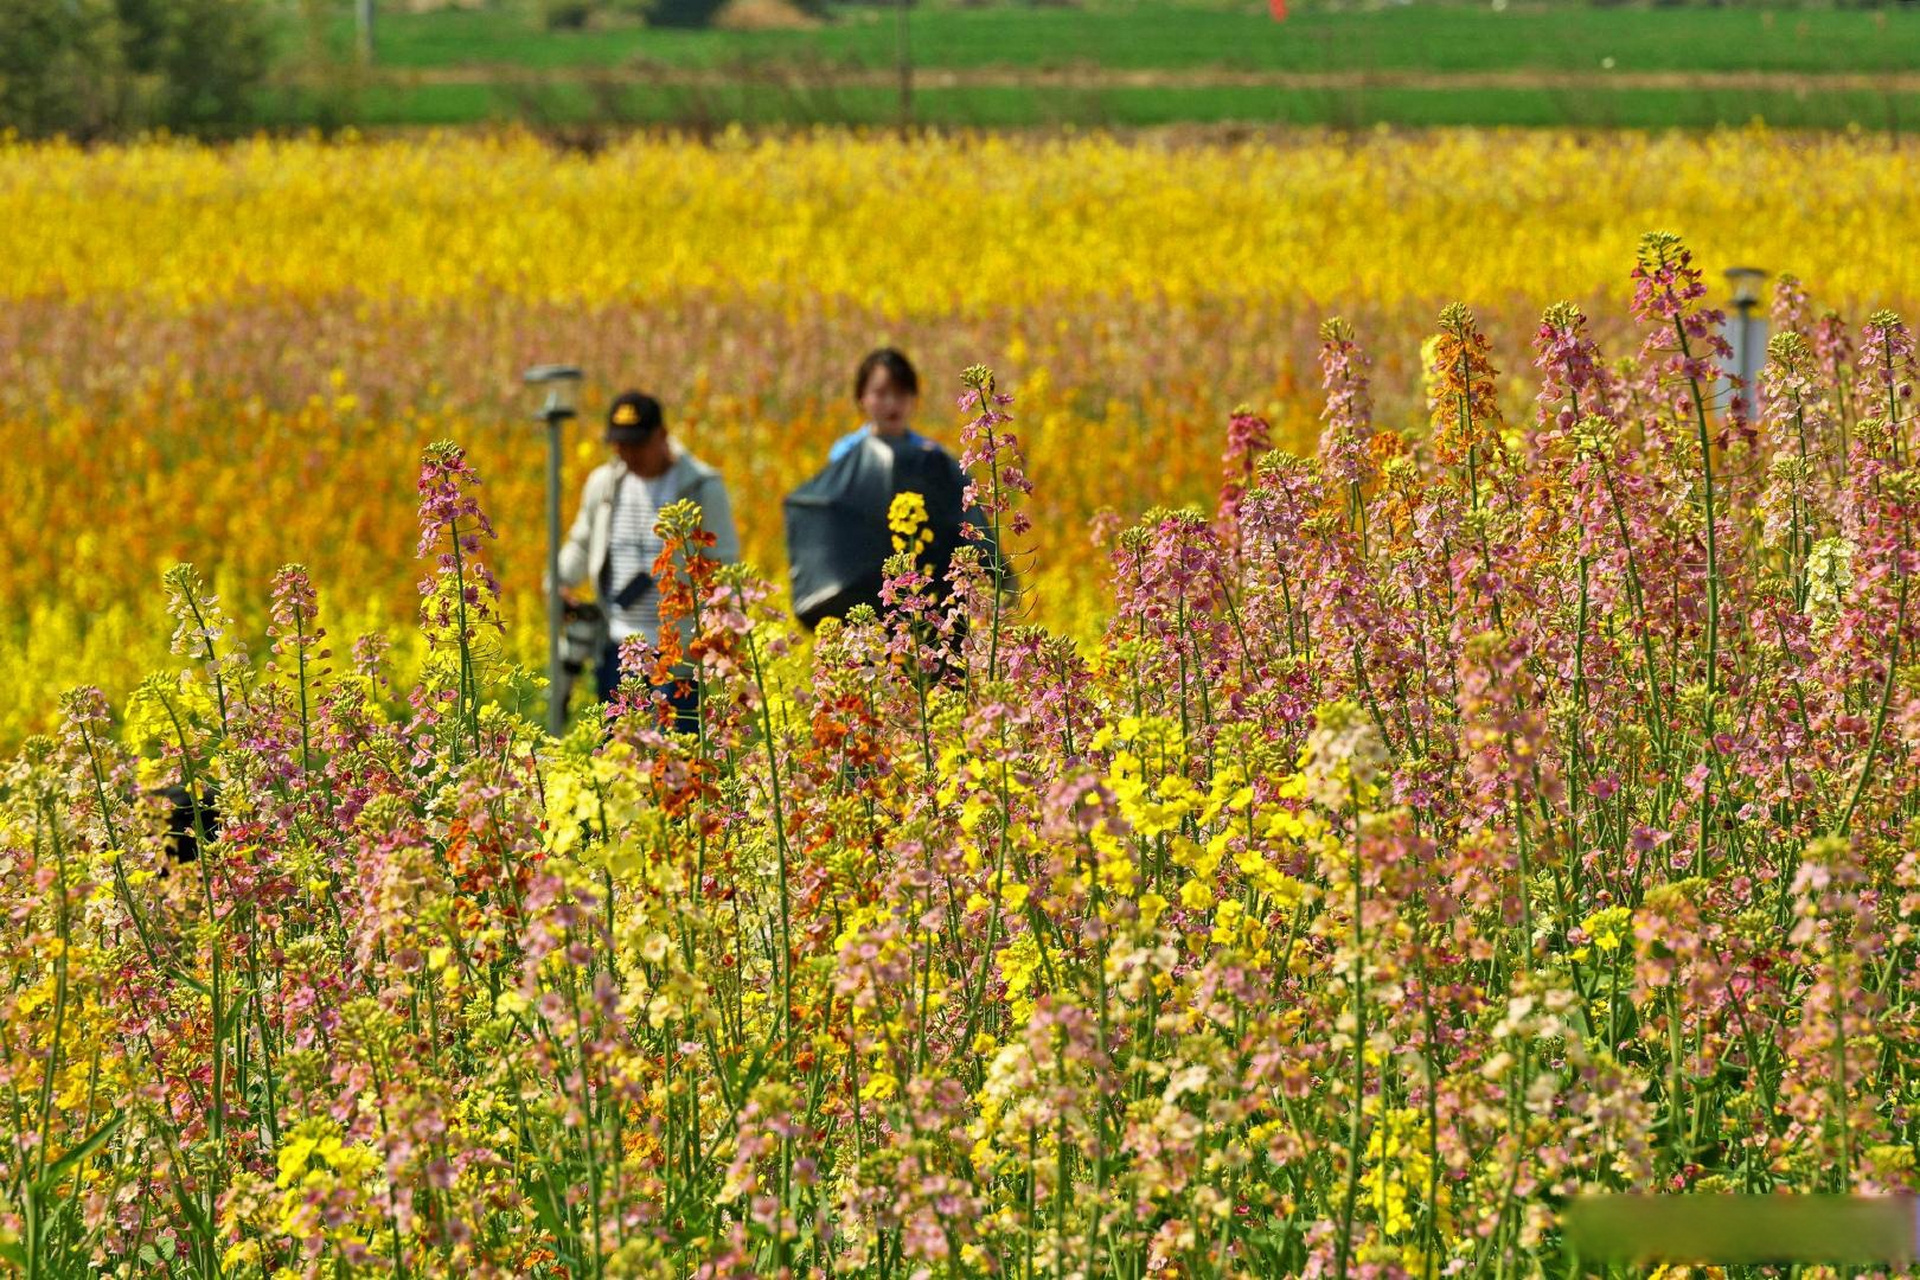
pixel 328 1187
pixel 1606 929
pixel 1398 1166
pixel 907 520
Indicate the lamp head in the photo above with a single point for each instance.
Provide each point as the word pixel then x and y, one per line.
pixel 1745 283
pixel 562 383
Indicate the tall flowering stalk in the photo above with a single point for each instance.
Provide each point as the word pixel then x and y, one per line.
pixel 985 447
pixel 1467 433
pixel 1887 373
pixel 461 599
pixel 1683 347
pixel 1467 413
pixel 1344 443
pixel 203 630
pixel 1574 395
pixel 1249 437
pixel 1574 380
pixel 295 634
pixel 1796 415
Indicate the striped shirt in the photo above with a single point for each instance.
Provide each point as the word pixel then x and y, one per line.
pixel 633 548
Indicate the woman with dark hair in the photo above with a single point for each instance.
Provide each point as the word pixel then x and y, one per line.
pixel 837 533
pixel 887 390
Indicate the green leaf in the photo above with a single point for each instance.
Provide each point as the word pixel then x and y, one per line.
pixel 551 1217
pixel 57 1171
pixel 191 1212
pixel 234 1012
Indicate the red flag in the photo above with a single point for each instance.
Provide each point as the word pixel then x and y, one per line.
pixel 1278 8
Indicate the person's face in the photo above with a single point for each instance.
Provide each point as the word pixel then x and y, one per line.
pixel 886 404
pixel 649 457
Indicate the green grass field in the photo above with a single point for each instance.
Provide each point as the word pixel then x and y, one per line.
pixel 1540 65
pixel 1007 107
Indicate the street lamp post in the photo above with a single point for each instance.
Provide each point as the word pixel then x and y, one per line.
pixel 1747 335
pixel 561 382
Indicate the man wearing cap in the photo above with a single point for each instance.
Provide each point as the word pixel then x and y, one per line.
pixel 613 541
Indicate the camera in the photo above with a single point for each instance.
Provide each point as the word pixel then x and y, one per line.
pixel 584 633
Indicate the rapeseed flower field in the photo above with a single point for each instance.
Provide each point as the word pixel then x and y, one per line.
pixel 1473 761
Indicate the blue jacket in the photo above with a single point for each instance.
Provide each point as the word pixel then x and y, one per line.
pixel 854 437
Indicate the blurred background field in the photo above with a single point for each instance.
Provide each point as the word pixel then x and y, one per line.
pixel 230 350
pixel 230 66
pixel 234 356
pixel 1153 62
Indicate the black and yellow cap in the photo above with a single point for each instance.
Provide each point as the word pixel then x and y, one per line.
pixel 633 417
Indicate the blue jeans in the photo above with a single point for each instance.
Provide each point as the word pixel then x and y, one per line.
pixel 686 706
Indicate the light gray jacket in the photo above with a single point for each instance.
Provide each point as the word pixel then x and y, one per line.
pixel 585 550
